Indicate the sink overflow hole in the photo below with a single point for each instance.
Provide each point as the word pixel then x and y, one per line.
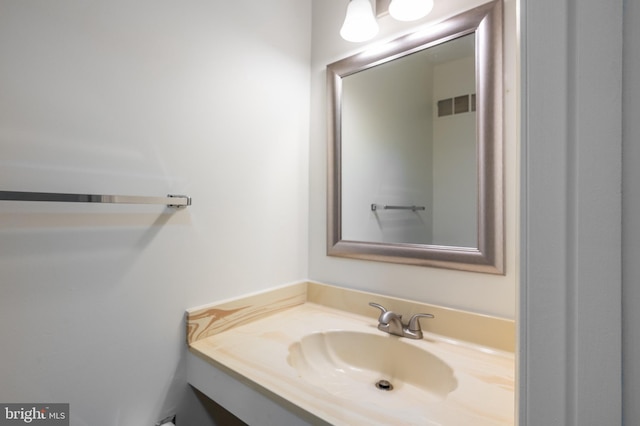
pixel 384 385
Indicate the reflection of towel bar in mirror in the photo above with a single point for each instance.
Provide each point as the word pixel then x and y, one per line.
pixel 176 201
pixel 375 207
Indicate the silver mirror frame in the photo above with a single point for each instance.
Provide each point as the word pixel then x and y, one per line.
pixel 486 22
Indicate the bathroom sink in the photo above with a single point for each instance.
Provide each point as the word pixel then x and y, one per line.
pixel 382 369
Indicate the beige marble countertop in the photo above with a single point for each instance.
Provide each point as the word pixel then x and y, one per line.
pixel 257 350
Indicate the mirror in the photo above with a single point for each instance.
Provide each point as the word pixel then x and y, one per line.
pixel 415 148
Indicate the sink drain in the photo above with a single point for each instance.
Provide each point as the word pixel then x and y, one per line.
pixel 384 385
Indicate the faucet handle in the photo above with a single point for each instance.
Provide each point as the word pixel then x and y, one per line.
pixel 414 323
pixel 382 318
pixel 385 314
pixel 377 305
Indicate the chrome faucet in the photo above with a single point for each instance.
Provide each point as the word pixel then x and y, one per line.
pixel 391 323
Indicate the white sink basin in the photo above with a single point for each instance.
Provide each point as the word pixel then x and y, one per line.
pixel 353 364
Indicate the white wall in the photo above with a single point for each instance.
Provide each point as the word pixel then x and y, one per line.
pixel 206 98
pixel 477 292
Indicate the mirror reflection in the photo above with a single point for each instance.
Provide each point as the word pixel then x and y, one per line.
pixel 409 154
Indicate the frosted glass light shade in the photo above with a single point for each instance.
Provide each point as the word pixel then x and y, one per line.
pixel 410 10
pixel 359 23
